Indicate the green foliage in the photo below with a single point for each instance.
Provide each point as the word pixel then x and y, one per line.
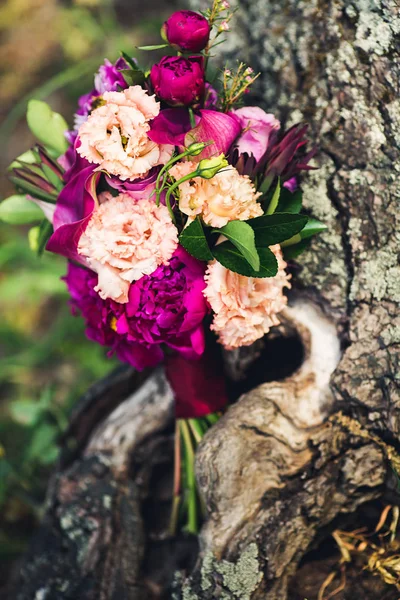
pixel 19 210
pixel 274 229
pixel 289 202
pixel 193 239
pixel 272 206
pixel 231 258
pixel 45 364
pixel 47 126
pixel 153 47
pixel 242 236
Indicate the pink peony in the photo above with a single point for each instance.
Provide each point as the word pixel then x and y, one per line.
pixel 245 308
pixel 115 135
pixel 166 307
pixel 124 240
pixel 228 196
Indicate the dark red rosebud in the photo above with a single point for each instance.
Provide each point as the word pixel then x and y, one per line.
pixel 187 31
pixel 179 81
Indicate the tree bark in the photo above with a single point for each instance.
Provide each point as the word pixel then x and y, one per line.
pixel 313 444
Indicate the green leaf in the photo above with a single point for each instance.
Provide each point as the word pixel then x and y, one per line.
pixel 295 251
pixel 43 447
pixel 29 157
pixel 155 47
pixel 275 199
pixel 242 236
pixel 18 210
pixel 276 228
pixel 26 412
pixel 52 177
pixel 45 231
pixel 32 189
pixel 231 258
pixel 312 227
pixel 194 241
pixel 129 60
pixel 47 126
pixel 133 76
pixel 290 202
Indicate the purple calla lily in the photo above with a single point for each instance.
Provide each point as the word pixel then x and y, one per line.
pixel 172 126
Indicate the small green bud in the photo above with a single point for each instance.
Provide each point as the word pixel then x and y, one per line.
pixel 196 148
pixel 209 167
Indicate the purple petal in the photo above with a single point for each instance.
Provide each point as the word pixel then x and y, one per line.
pixel 219 128
pixel 75 206
pixel 171 126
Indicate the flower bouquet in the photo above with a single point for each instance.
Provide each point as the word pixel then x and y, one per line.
pixel 177 209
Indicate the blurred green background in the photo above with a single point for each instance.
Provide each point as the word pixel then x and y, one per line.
pixel 49 50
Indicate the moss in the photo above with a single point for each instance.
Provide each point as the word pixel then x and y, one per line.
pixel 379 277
pixel 243 577
pixel 391 335
pixel 377 27
pixel 240 579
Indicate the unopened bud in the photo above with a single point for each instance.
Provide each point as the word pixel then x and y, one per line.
pixel 209 167
pixel 195 149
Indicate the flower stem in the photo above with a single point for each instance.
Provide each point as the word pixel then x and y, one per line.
pixel 192 522
pixel 196 429
pixel 169 164
pixel 173 187
pixel 192 118
pixel 177 482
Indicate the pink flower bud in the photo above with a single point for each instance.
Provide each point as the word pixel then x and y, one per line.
pixel 186 30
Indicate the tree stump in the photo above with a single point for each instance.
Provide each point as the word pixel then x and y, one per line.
pixel 314 435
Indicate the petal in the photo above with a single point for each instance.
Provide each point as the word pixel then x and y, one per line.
pixel 171 126
pixel 219 128
pixel 74 208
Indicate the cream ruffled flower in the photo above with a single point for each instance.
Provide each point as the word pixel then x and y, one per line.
pixel 124 240
pixel 245 308
pixel 115 134
pixel 228 196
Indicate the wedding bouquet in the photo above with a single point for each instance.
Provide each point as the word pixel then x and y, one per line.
pixel 177 209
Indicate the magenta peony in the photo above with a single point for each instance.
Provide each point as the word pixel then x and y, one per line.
pixel 186 30
pixel 179 81
pixel 166 307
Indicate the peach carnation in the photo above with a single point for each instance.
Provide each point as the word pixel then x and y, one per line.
pixel 115 134
pixel 124 240
pixel 227 196
pixel 245 308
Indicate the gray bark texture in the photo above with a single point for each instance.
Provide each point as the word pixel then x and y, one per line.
pixel 307 449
